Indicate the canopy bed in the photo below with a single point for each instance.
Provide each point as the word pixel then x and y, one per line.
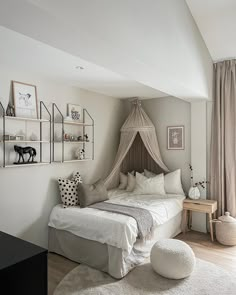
pixel 110 241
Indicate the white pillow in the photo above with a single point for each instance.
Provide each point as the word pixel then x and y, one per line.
pixel 123 181
pixel 153 185
pixel 149 174
pixel 173 183
pixel 131 182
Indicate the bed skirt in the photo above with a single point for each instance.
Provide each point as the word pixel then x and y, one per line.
pixel 108 258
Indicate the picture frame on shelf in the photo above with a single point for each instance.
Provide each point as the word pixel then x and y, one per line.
pixel 75 112
pixel 25 100
pixel 175 138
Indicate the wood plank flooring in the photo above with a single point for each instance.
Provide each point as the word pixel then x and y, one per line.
pixel 201 244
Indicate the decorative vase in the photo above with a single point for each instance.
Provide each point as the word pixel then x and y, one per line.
pixel 194 193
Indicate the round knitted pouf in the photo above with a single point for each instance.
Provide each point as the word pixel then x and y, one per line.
pixel 172 259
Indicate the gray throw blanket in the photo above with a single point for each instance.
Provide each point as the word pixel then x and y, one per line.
pixel 142 216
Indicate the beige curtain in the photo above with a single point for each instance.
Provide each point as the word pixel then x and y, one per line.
pixel 223 143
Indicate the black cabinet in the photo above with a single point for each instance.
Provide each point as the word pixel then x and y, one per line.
pixel 23 267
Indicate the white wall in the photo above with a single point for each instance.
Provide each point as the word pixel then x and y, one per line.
pixel 199 154
pixel 28 194
pixel 171 111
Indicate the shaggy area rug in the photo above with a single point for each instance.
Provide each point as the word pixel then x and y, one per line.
pixel 207 279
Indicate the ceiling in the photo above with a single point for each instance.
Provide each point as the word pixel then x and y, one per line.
pixel 145 48
pixel 216 20
pixel 21 52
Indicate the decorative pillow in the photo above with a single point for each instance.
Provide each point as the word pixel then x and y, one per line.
pixel 173 183
pixel 153 185
pixel 131 182
pixel 90 194
pixel 68 190
pixel 124 180
pixel 149 174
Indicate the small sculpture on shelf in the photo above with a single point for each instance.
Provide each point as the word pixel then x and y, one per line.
pixel 79 138
pixel 67 137
pixel 33 137
pixel 86 137
pixel 25 150
pixel 80 154
pixel 10 110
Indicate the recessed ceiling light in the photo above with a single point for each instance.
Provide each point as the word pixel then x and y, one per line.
pixel 79 68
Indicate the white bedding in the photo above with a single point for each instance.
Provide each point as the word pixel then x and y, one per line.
pixel 112 228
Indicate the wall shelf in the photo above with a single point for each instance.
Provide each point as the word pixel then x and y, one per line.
pixel 88 122
pixel 27 165
pixel 26 119
pixel 73 161
pixel 26 141
pixel 78 142
pixel 5 119
pixel 74 123
pixel 61 123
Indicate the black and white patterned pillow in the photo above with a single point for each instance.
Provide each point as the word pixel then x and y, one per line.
pixel 68 190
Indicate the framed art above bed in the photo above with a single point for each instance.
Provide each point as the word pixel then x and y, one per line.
pixel 175 138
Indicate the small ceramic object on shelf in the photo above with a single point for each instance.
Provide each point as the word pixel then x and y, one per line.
pixel 19 137
pixel 226 229
pixel 80 154
pixel 33 137
pixel 68 118
pixel 67 137
pixel 86 137
pixel 194 193
pixel 10 110
pixel 7 137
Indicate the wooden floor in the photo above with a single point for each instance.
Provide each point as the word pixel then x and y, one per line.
pixel 201 244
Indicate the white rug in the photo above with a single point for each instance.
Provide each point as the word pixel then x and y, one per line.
pixel 207 279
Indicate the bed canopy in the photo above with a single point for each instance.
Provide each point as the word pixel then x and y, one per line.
pixel 138 148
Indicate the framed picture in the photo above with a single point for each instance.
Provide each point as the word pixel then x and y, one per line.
pixel 175 137
pixel 75 112
pixel 25 100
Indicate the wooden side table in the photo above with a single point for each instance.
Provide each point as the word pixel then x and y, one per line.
pixel 204 206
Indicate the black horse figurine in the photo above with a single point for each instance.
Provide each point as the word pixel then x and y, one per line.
pixel 25 150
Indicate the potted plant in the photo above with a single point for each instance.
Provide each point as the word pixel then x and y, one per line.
pixel 194 192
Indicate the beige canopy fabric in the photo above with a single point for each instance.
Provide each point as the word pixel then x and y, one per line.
pixel 137 122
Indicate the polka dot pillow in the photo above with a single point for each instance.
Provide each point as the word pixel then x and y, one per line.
pixel 68 190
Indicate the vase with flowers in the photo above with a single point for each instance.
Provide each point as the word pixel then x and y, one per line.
pixel 194 192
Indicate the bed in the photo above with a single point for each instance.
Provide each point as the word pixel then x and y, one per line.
pixel 108 241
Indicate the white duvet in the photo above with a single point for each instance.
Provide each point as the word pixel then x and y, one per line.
pixel 112 228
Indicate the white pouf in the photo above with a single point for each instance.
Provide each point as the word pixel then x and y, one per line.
pixel 172 259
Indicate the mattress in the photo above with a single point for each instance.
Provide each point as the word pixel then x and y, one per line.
pixel 114 229
pixel 107 258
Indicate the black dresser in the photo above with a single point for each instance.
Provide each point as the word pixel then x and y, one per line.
pixel 23 267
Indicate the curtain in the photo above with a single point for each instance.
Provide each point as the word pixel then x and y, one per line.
pixel 223 141
pixel 126 140
pixel 137 122
pixel 138 158
pixel 150 141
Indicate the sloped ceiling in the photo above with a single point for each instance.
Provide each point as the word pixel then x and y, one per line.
pixel 153 42
pixel 216 20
